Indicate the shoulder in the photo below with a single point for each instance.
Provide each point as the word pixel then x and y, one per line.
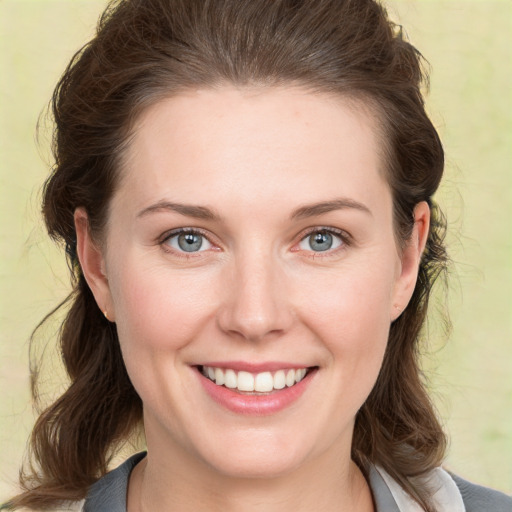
pixel 478 498
pixel 449 493
pixel 108 494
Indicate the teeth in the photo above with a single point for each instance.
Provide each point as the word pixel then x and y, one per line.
pixel 245 381
pixel 299 374
pixel 290 378
pixel 219 377
pixel 230 379
pixel 263 382
pixel 279 380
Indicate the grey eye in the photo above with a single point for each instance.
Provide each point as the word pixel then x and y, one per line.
pixel 320 241
pixel 189 242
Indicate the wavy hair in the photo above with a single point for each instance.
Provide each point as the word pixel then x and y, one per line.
pixel 146 50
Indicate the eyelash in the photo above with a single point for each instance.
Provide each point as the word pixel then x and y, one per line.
pixel 163 241
pixel 343 236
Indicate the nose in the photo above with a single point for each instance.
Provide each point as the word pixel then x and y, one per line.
pixel 256 303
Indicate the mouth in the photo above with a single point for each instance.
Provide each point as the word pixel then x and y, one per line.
pixel 255 389
pixel 261 383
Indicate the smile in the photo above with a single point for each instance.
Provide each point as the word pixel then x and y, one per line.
pixel 263 382
pixel 255 389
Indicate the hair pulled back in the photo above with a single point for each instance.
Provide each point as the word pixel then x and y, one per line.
pixel 146 50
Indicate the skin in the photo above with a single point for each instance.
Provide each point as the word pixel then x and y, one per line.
pixel 257 293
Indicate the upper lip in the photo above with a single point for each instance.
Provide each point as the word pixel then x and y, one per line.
pixel 253 367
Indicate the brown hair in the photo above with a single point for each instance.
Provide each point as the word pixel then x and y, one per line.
pixel 145 50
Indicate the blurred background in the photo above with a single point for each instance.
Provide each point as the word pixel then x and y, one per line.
pixel 468 44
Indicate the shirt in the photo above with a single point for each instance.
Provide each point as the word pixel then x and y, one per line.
pixel 450 493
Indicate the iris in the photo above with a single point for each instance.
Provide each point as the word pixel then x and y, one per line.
pixel 190 242
pixel 320 241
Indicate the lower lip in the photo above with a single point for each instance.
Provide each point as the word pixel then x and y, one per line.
pixel 256 405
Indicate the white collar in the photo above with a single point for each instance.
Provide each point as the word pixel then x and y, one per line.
pixel 444 491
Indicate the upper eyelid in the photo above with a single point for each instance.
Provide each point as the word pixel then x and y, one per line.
pixel 177 231
pixel 345 235
pixel 163 240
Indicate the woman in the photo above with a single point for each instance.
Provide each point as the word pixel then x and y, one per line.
pixel 245 192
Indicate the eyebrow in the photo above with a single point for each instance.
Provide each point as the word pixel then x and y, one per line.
pixel 311 210
pixel 204 213
pixel 198 212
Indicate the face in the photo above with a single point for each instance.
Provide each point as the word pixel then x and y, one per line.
pixel 252 271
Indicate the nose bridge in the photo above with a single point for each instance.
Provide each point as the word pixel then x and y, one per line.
pixel 256 303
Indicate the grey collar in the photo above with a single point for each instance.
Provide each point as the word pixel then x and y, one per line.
pixel 109 493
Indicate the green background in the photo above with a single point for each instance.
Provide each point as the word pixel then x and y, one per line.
pixel 469 46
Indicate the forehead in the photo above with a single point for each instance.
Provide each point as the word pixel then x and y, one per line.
pixel 250 143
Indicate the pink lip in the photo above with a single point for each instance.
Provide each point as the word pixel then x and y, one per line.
pixel 255 405
pixel 244 366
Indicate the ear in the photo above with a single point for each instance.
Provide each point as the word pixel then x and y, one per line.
pixel 92 263
pixel 410 260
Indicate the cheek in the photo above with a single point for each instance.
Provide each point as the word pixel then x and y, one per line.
pixel 350 312
pixel 157 309
pixel 158 314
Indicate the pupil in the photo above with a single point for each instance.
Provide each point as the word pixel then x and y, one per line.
pixel 190 242
pixel 321 241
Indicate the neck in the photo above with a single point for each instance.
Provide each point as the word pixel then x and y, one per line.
pixel 321 485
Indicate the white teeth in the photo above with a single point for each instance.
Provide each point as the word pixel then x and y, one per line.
pixel 263 382
pixel 279 380
pixel 219 377
pixel 245 381
pixel 299 374
pixel 290 378
pixel 230 379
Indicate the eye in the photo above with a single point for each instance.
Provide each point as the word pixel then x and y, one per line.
pixel 188 241
pixel 321 240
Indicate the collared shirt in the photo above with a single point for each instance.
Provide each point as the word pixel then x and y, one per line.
pixel 449 492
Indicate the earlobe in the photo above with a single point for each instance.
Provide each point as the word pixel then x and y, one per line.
pixel 411 259
pixel 92 263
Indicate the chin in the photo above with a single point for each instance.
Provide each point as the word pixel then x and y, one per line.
pixel 259 455
pixel 254 466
